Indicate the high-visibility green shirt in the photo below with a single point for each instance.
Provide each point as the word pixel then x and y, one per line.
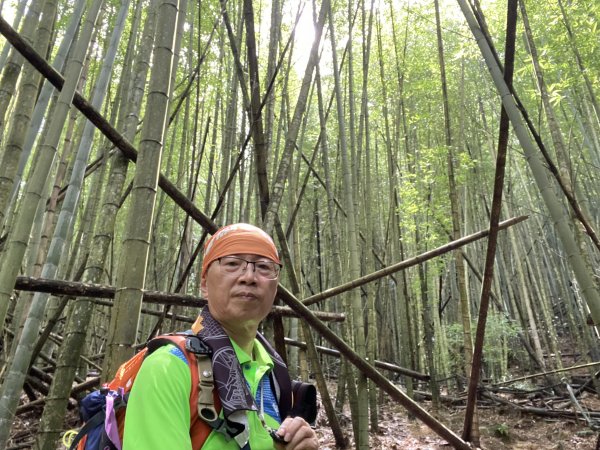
pixel 158 409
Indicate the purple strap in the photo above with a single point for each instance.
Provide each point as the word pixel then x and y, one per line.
pixel 110 422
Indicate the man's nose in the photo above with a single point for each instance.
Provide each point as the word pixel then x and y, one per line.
pixel 249 273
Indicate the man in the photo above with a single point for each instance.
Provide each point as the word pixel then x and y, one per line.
pixel 240 272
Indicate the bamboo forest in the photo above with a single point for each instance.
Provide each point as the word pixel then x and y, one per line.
pixel 429 171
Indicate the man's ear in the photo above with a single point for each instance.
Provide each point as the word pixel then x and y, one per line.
pixel 203 290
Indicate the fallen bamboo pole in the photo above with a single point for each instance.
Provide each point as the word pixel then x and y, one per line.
pixel 77 289
pixel 380 364
pixel 81 387
pixel 541 374
pixel 539 411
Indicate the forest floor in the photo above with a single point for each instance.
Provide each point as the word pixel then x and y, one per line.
pixel 500 429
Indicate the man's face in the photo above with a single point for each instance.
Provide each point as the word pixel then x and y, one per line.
pixel 238 299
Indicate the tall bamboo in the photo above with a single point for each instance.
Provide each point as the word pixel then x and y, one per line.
pixel 335 238
pixel 45 94
pixel 369 207
pixel 18 241
pixel 25 100
pixel 408 329
pixel 277 187
pixel 72 196
pixel 132 265
pixel 566 171
pixel 11 388
pixel 16 22
pixel 355 302
pixel 455 214
pixel 274 37
pixel 11 69
pixel 78 322
pixel 255 117
pixel 582 68
pixel 560 219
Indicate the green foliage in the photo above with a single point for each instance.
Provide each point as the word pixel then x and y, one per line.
pixel 501 430
pixel 498 330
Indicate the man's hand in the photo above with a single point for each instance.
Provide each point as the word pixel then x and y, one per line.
pixel 297 434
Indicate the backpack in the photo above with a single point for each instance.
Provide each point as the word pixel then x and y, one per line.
pixel 103 410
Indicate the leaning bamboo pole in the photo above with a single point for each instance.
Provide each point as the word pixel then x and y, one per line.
pixel 103 125
pixel 471 424
pixel 380 364
pixel 370 372
pixel 426 256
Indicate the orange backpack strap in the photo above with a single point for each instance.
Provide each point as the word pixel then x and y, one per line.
pixel 127 372
pixel 204 401
pixel 205 404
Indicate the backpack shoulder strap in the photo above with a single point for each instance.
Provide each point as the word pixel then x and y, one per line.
pixel 160 341
pixel 95 421
pixel 204 400
pixel 127 372
pixel 206 385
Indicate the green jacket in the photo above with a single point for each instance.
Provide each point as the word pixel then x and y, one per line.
pixel 158 415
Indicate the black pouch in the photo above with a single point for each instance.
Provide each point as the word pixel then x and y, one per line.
pixel 304 397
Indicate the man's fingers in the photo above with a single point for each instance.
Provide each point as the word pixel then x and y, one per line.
pixel 298 434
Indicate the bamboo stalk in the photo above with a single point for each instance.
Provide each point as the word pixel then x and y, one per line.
pixel 408 263
pixel 470 427
pixel 370 372
pixel 541 374
pixel 381 364
pixel 94 116
pixel 77 289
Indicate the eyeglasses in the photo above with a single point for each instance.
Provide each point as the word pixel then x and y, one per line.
pixel 232 265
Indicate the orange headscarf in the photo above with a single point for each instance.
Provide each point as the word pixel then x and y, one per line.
pixel 238 238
